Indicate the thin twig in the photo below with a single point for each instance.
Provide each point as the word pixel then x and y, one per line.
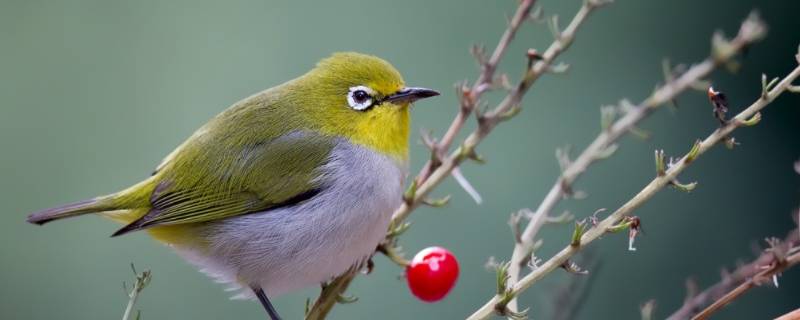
pixel 472 96
pixel 490 119
pixel 569 300
pixel 658 183
pixel 441 166
pixel 748 34
pixel 698 301
pixel 330 296
pixel 768 273
pixel 142 280
pixel 791 315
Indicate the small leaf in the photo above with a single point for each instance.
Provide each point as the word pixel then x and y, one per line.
pixel 577 233
pixel 694 151
pixel 411 192
pixel 755 119
pixel 661 164
pixel 639 133
pixel 464 183
pixel 437 203
pixel 688 187
pixel 554 28
pixel 502 277
pixel 346 299
pixel 647 309
pixel 767 86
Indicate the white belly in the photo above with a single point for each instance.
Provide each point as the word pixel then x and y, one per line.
pixel 303 245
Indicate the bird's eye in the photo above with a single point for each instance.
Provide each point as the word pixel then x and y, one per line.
pixel 360 97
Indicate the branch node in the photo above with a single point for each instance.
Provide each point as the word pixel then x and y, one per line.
pixel 767 86
pixel 730 143
pixel 573 268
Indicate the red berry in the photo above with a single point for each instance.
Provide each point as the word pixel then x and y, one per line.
pixel 432 273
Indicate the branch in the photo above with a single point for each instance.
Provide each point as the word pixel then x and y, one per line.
pixel 330 295
pixel 567 301
pixel 669 176
pixel 441 166
pixel 470 97
pixel 771 271
pixel 508 107
pixel 752 30
pixel 792 315
pixel 142 280
pixel 749 273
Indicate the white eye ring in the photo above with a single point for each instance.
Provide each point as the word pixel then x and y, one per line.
pixel 356 99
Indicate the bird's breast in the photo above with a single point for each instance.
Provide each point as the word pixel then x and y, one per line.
pixel 302 245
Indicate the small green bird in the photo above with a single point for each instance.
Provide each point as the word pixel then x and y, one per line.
pixel 283 190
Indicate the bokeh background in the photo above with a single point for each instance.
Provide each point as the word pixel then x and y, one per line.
pixel 93 93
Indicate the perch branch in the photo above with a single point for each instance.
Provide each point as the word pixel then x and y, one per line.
pixel 482 84
pixel 441 166
pixel 658 183
pixel 751 30
pixel 329 296
pixel 749 273
pixel 487 121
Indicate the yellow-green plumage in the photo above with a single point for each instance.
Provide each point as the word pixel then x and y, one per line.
pixel 274 149
pixel 219 171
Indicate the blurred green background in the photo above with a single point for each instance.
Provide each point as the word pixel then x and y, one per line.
pixel 93 93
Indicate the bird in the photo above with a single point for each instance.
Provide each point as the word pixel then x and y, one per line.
pixel 283 190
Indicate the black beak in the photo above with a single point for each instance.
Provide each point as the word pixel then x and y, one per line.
pixel 409 95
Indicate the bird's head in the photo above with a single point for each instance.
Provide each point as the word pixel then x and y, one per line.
pixel 362 98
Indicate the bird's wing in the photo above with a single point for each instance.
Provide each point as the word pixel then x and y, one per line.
pixel 217 183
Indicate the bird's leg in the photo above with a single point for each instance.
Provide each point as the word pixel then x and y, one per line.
pixel 265 302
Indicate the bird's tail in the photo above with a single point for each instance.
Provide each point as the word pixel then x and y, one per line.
pixel 95 205
pixel 135 197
